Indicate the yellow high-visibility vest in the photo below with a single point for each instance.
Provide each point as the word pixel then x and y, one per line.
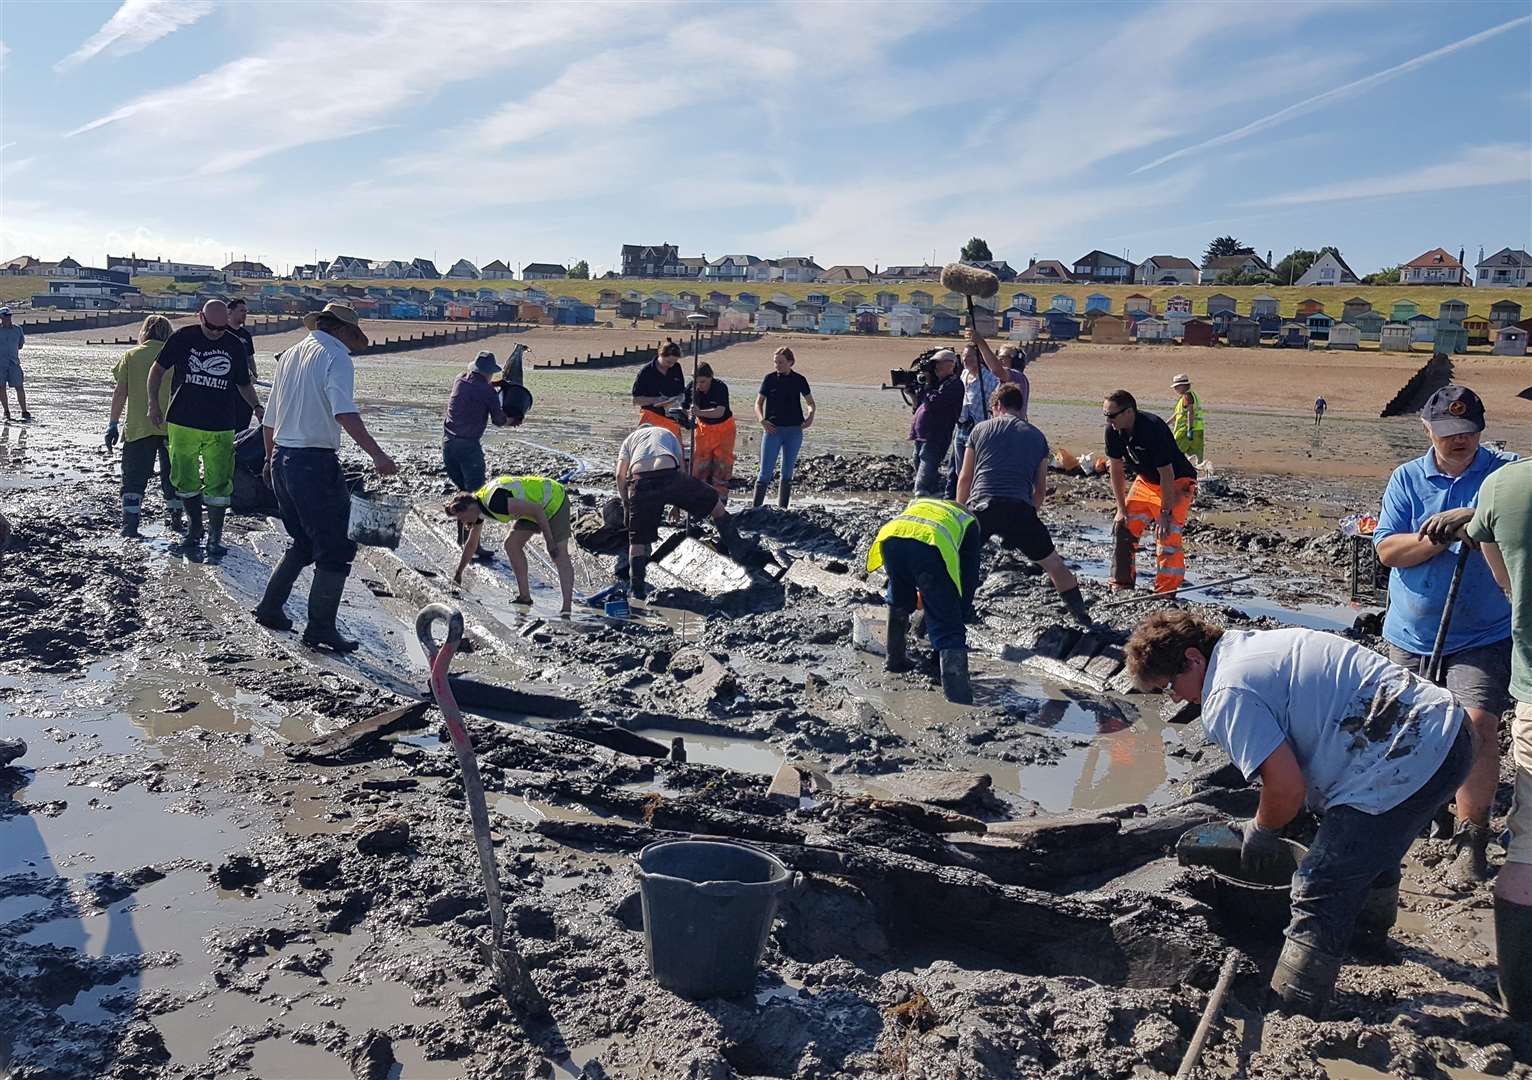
pixel 937 522
pixel 549 494
pixel 1186 424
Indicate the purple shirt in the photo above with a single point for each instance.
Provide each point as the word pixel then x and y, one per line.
pixel 473 404
pixel 938 412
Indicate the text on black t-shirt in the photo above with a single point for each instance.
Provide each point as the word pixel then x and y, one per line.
pixel 784 393
pixel 205 380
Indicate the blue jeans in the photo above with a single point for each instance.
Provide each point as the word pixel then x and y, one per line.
pixel 315 506
pixel 1355 851
pixel 959 448
pixel 464 459
pixel 914 565
pixel 786 441
pixel 928 467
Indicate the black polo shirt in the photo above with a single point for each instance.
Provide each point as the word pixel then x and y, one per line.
pixel 1148 447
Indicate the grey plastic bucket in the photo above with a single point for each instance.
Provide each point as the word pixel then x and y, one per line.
pixel 377 520
pixel 708 907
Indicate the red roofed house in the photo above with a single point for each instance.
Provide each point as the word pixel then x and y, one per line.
pixel 1435 267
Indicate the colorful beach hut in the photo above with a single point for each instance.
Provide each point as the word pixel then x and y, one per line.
pixel 1221 302
pixel 1354 307
pixel 1423 328
pixel 1394 336
pixel 1244 332
pixel 1265 306
pixel 1319 326
pixel 1152 330
pixel 1199 332
pixel 1293 335
pixel 1510 341
pixel 1344 335
pixel 1370 323
pixel 1403 311
pixel 1098 302
pixel 1138 303
pixel 1477 327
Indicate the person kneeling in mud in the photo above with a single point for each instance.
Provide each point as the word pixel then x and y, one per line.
pixel 650 478
pixel 530 504
pixel 1323 721
pixel 931 550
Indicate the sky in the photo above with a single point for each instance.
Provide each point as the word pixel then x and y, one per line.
pixel 866 133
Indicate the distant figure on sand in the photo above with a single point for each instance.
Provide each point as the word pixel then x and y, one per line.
pixel 12 338
pixel 1320 405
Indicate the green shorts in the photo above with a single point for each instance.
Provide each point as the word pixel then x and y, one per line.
pixel 202 463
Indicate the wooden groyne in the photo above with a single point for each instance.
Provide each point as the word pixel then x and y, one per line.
pixel 1412 396
pixel 709 342
pixel 267 324
pixel 436 338
pixel 59 324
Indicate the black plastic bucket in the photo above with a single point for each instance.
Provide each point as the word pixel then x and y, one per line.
pixel 708 907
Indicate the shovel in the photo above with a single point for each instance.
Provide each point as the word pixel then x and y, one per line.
pixel 506 963
pixel 1433 666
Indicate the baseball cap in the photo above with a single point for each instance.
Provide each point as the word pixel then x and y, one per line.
pixel 944 354
pixel 5 311
pixel 485 363
pixel 1453 410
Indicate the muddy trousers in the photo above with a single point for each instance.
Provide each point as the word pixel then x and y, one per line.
pixel 1143 515
pixel 315 506
pixel 1355 851
pixel 714 464
pixel 916 567
pixel 139 459
pixel 202 463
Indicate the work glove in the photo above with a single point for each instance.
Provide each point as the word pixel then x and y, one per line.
pixel 1260 849
pixel 111 435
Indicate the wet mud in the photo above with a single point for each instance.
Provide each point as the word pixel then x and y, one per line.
pixel 186 891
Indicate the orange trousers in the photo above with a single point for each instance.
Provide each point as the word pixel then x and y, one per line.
pixel 714 464
pixel 1144 504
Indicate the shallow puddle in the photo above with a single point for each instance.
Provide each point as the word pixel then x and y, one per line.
pixel 739 754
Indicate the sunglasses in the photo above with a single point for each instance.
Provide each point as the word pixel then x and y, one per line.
pixel 1114 415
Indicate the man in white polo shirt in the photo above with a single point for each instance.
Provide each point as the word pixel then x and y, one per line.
pixel 310 403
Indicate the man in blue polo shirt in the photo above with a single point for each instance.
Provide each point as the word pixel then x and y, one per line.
pixel 1476 657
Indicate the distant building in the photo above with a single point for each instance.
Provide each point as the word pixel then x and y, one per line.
pixel 427 269
pixel 1049 270
pixel 348 267
pixel 999 267
pixel 801 269
pixel 691 266
pixel 543 272
pixel 1216 269
pixel 845 274
pixel 1166 270
pixel 22 264
pixel 923 272
pixel 168 267
pixel 1102 267
pixel 495 270
pixel 736 268
pixel 1508 268
pixel 463 269
pixel 1435 267
pixel 1328 269
pixel 650 260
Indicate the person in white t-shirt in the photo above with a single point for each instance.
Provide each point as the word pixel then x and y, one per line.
pixel 310 404
pixel 1331 725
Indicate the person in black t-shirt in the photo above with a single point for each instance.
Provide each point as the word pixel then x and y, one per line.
pixel 707 400
pixel 779 408
pixel 657 383
pixel 238 309
pixel 1164 483
pixel 211 371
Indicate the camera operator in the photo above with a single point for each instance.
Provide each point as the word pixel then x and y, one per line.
pixel 938 399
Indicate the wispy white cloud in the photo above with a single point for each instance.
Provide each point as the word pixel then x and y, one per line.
pixel 135 25
pixel 1339 93
pixel 1479 166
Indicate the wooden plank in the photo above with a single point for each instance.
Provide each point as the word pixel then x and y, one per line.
pixel 336 743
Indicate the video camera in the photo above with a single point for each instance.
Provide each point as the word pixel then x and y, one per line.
pixel 921 374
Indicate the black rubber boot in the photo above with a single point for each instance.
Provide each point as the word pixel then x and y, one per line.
pixel 193 537
pixel 1513 953
pixel 175 520
pixel 1304 979
pixel 897 626
pixel 269 612
pixel 784 493
pixel 1470 867
pixel 638 572
pixel 729 540
pixel 1074 603
pixel 760 494
pixel 1376 919
pixel 324 603
pixel 132 510
pixel 955 682
pixel 1124 548
pixel 215 548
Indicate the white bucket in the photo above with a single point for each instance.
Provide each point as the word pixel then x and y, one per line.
pixel 377 520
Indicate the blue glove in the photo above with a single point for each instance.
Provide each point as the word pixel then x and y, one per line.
pixel 111 435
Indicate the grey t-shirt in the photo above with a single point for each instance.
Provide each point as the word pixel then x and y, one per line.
pixel 1007 452
pixel 12 338
pixel 1367 733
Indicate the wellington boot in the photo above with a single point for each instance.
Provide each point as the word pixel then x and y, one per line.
pixel 1513 949
pixel 1376 919
pixel 324 603
pixel 729 540
pixel 638 573
pixel 193 537
pixel 1470 867
pixel 1304 979
pixel 897 625
pixel 1074 603
pixel 215 548
pixel 269 612
pixel 955 683
pixel 132 510
pixel 175 520
pixel 1124 548
pixel 784 494
pixel 760 494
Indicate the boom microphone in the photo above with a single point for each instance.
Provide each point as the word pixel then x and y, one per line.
pixel 970 281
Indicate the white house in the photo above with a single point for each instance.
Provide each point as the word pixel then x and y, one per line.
pixel 1435 267
pixel 1328 269
pixel 736 268
pixel 796 268
pixel 343 267
pixel 1166 270
pixel 1508 268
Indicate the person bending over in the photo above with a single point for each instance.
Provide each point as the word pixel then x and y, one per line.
pixel 530 505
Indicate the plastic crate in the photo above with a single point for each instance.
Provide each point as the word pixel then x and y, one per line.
pixel 1369 577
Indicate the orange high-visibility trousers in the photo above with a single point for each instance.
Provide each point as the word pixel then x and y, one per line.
pixel 650 418
pixel 714 465
pixel 1144 506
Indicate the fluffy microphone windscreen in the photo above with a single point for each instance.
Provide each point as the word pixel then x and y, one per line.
pixel 969 280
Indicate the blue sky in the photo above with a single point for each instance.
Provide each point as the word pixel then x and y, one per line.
pixel 858 132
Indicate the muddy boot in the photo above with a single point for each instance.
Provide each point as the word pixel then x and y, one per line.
pixel 1123 550
pixel 784 493
pixel 729 540
pixel 897 626
pixel 1074 603
pixel 1513 949
pixel 132 509
pixel 269 611
pixel 638 571
pixel 760 494
pixel 175 520
pixel 215 548
pixel 324 602
pixel 193 537
pixel 1304 979
pixel 955 676
pixel 1376 919
pixel 1469 866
